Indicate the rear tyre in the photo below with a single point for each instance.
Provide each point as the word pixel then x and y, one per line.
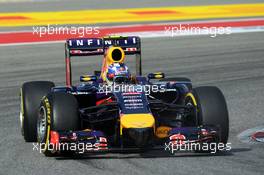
pixel 30 97
pixel 57 112
pixel 212 109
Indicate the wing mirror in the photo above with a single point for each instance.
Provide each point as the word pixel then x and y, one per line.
pixel 87 78
pixel 157 75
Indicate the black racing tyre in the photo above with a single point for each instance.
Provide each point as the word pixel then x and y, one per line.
pixel 212 109
pixel 57 112
pixel 31 94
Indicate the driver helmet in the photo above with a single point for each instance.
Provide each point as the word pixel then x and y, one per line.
pixel 117 72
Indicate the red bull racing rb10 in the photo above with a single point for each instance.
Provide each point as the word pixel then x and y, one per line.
pixel 115 109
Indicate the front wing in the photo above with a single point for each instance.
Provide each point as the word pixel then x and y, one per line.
pixel 92 141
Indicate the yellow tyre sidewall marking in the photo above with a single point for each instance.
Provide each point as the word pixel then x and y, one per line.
pixel 192 97
pixel 48 115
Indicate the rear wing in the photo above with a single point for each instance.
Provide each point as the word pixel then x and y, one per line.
pixel 97 46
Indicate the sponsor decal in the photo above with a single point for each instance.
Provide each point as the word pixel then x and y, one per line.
pixel 178 139
pixel 97 42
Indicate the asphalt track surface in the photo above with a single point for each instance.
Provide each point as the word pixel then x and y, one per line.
pixel 233 62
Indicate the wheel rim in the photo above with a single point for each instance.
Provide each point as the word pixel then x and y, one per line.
pixel 42 124
pixel 190 104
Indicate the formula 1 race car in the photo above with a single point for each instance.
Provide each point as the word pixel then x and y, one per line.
pixel 115 110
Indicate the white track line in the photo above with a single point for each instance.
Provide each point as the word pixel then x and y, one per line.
pixel 164 34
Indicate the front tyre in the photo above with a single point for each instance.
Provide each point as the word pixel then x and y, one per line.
pixel 57 112
pixel 31 94
pixel 212 109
